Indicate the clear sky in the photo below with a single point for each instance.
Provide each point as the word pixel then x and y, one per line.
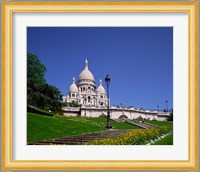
pixel 139 60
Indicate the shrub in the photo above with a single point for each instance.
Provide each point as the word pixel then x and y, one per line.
pixel 170 118
pixel 70 104
pixel 103 115
pixel 140 118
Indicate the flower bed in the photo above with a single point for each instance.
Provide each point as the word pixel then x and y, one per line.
pixel 134 137
pixel 82 119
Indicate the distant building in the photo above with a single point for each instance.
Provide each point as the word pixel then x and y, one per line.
pixel 94 101
pixel 85 92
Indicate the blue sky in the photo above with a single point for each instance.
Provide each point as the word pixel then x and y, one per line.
pixel 139 60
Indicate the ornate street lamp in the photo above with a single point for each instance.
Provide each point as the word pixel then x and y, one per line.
pixel 107 80
pixel 158 108
pixel 166 105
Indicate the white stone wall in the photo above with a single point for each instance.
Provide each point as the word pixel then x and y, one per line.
pixel 93 112
pixel 70 114
pixel 115 113
pixel 162 118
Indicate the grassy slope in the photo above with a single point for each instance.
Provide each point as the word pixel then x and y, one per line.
pixel 165 141
pixel 115 125
pixel 44 127
pixel 159 123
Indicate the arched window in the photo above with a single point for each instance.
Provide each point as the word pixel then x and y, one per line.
pixel 89 99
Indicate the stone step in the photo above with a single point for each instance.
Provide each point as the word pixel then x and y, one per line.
pixel 118 120
pixel 142 125
pixel 56 143
pixel 81 139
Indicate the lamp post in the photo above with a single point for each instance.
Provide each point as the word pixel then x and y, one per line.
pixel 166 106
pixel 107 80
pixel 158 108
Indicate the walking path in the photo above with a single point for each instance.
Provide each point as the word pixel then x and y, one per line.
pixel 142 125
pixel 81 139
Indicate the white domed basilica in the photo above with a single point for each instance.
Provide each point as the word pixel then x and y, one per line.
pixel 94 102
pixel 85 92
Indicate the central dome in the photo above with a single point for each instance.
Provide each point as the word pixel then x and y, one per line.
pixel 86 74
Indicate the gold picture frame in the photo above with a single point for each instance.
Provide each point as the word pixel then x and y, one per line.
pixel 8 8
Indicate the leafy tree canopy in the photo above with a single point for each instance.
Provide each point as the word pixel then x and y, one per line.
pixel 35 70
pixel 39 93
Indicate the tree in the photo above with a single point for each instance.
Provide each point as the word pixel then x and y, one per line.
pixel 53 95
pixel 170 118
pixel 35 70
pixel 40 93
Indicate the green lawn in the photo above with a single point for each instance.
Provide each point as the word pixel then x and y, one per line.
pixel 40 127
pixel 159 123
pixel 115 125
pixel 44 127
pixel 165 141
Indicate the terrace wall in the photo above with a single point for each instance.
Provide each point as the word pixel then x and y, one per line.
pixel 115 113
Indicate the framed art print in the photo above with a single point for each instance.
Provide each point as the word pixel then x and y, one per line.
pixel 100 85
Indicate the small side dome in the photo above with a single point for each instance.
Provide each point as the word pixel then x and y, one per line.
pixel 100 89
pixel 73 87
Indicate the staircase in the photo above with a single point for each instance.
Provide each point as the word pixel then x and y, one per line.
pixel 142 125
pixel 118 120
pixel 81 139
